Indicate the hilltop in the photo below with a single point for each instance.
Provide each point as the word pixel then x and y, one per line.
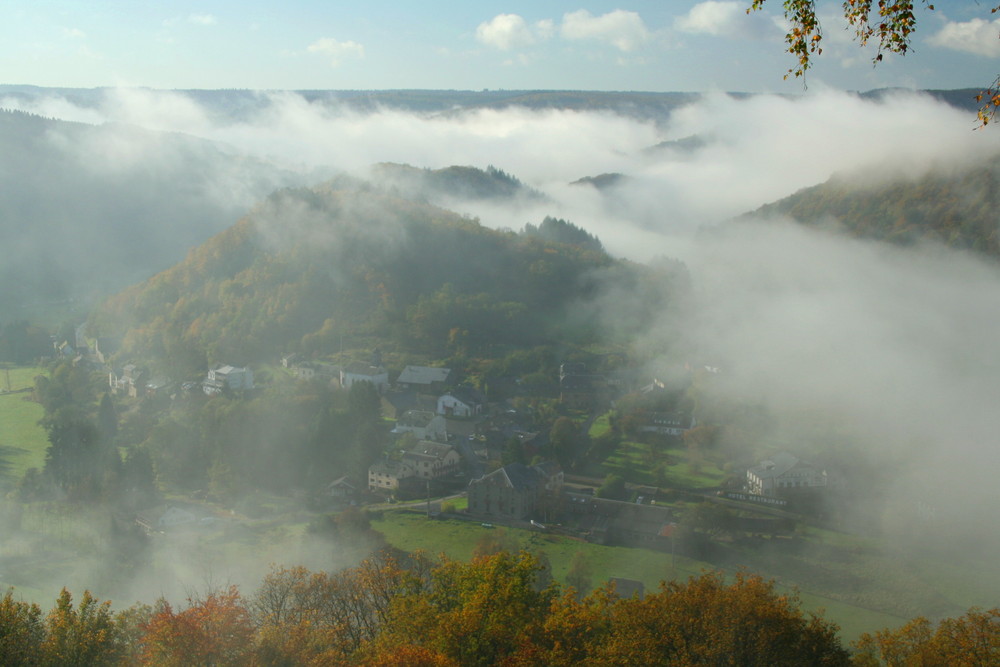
pixel 309 267
pixel 954 206
pixel 455 182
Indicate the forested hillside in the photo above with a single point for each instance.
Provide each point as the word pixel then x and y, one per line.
pixel 455 182
pixel 309 267
pixel 954 207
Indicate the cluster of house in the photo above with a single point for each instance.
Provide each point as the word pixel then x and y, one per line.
pixel 424 462
pixel 536 493
pixel 135 382
pixel 413 388
pixel 424 406
pixel 80 351
pixel 461 431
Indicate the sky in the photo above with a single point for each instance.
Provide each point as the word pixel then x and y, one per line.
pixel 648 45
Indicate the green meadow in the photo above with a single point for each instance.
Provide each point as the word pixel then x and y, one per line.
pixel 887 592
pixel 22 441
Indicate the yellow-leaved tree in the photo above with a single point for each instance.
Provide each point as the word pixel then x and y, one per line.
pixel 888 24
pixel 971 640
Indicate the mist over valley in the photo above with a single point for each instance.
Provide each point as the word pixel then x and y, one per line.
pixel 235 324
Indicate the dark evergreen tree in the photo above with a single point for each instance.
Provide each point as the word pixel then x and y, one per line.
pixel 107 420
pixel 137 482
pixel 74 456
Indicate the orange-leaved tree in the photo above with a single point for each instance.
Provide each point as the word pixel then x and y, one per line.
pixel 308 616
pixel 215 631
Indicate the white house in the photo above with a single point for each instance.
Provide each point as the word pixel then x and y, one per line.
pixel 340 488
pixel 431 460
pixel 667 423
pixel 460 402
pixel 783 472
pixel 385 475
pixel 313 370
pixel 129 382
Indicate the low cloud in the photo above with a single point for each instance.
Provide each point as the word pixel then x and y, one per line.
pixel 509 31
pixel 749 151
pixel 728 19
pixel 193 19
pixel 856 350
pixel 336 50
pixel 977 36
pixel 713 18
pixel 202 19
pixel 624 30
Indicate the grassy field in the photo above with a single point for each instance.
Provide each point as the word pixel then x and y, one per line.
pixel 601 426
pixel 644 463
pixel 22 441
pixel 860 589
pixel 856 587
pixel 457 539
pixel 660 462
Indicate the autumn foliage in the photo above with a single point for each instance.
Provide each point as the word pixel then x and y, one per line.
pixel 213 631
pixel 402 610
pixel 971 640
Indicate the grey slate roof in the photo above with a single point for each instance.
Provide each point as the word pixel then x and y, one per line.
pixel 418 418
pixel 467 395
pixel 424 375
pixel 436 450
pixel 516 476
pixel 776 466
pixel 363 368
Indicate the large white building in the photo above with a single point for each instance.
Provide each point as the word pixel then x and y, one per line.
pixel 783 472
pixel 229 377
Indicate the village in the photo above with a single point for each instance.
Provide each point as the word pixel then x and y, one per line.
pixel 448 454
